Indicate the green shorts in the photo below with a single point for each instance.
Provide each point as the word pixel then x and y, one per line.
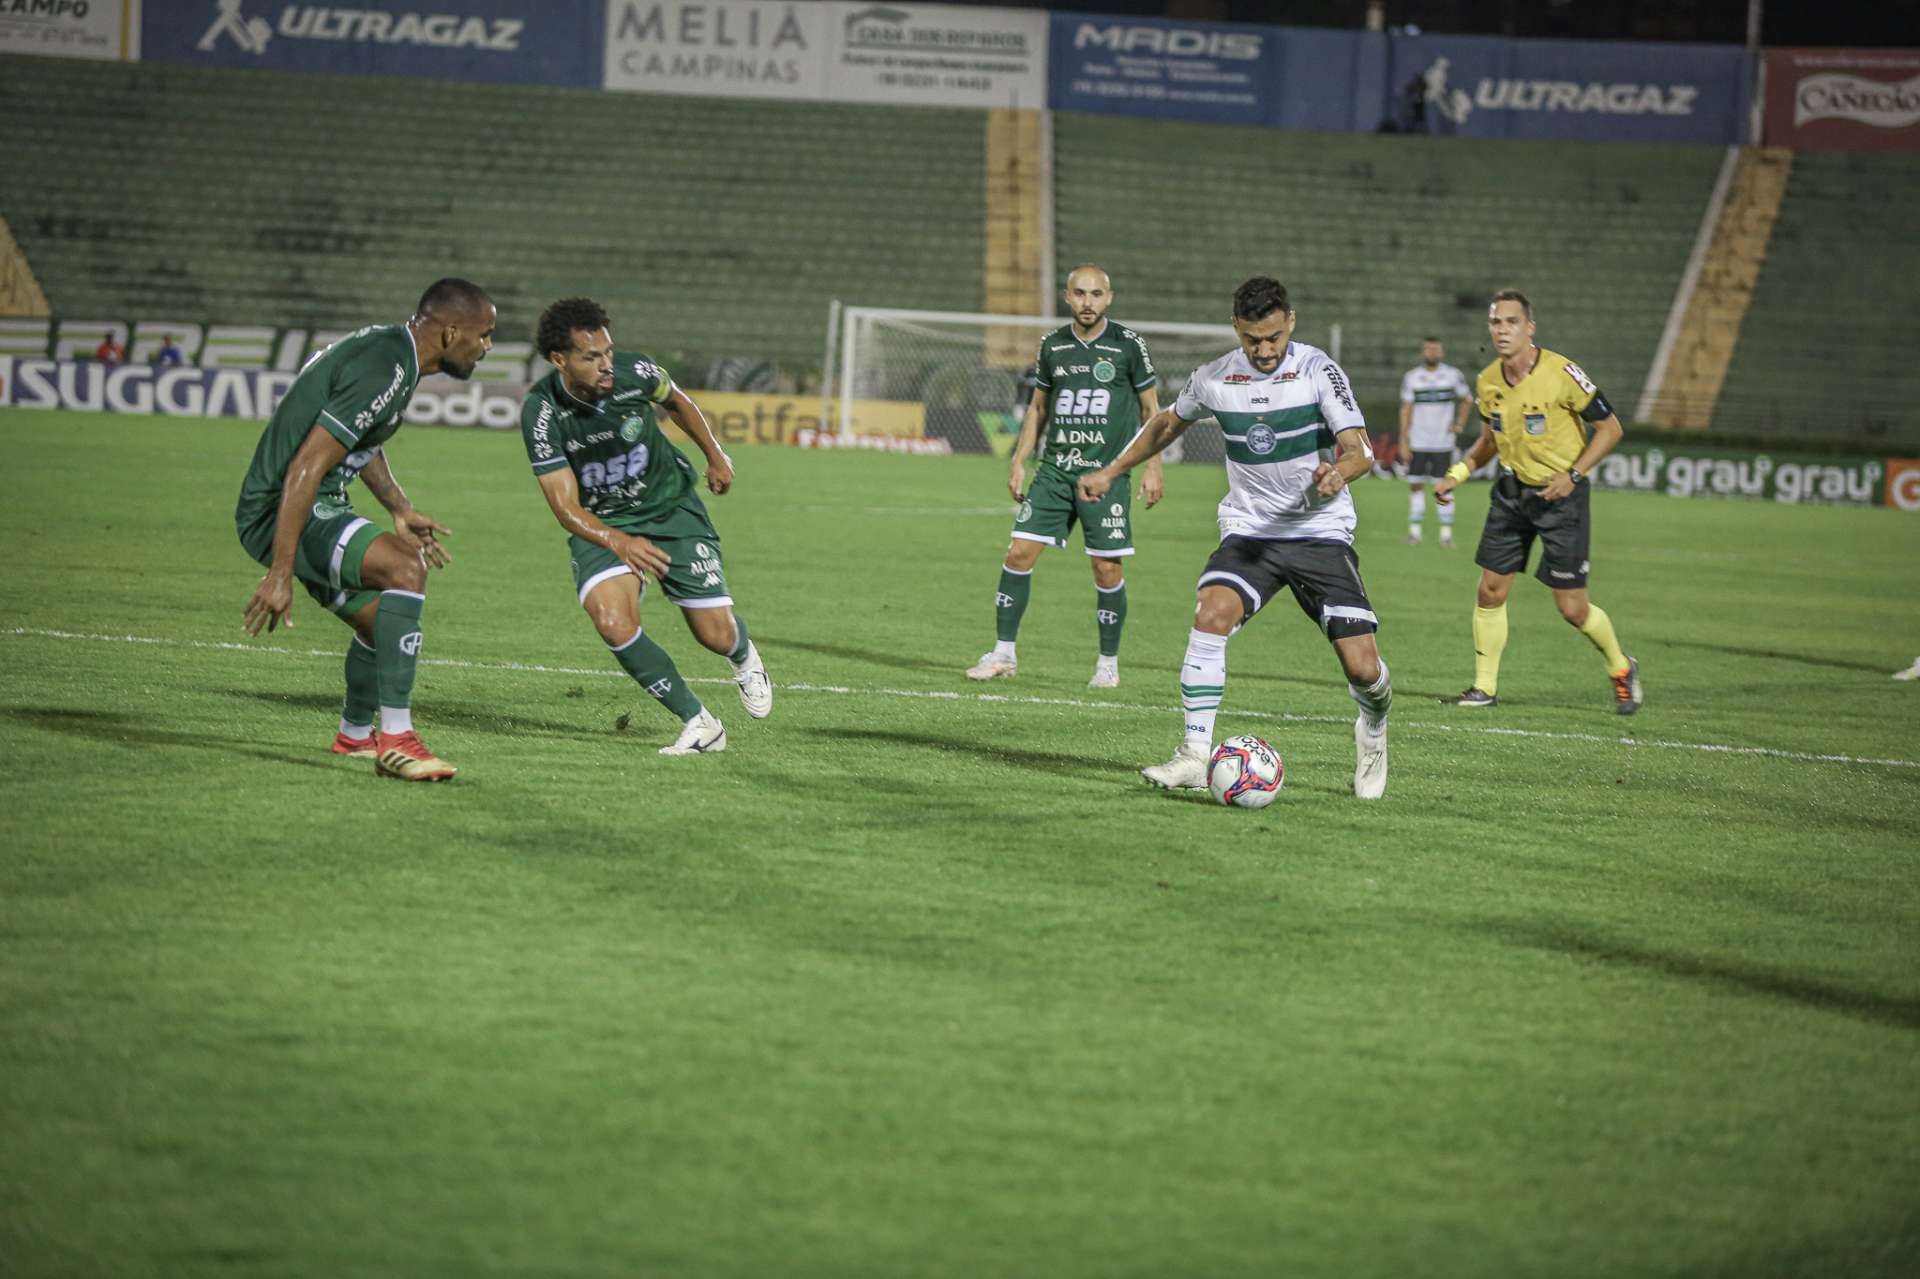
pixel 327 558
pixel 1053 507
pixel 696 579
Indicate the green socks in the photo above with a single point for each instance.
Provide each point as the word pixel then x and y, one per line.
pixel 654 671
pixel 363 687
pixel 1110 610
pixel 1010 605
pixel 396 643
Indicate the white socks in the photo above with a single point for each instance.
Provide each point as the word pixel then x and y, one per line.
pixel 1374 701
pixel 1203 679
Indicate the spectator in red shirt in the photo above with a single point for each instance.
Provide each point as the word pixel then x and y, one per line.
pixel 109 351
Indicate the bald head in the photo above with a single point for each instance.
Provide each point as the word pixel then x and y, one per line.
pixel 453 327
pixel 453 301
pixel 1089 294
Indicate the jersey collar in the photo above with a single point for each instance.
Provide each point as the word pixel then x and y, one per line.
pixel 413 345
pixel 1075 333
pixel 560 385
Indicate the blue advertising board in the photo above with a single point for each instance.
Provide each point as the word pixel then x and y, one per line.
pixel 1168 70
pixel 514 41
pixel 1575 90
pixel 1356 81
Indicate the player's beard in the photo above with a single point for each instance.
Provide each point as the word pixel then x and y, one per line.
pixel 458 372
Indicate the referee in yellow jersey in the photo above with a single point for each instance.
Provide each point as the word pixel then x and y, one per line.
pixel 1551 426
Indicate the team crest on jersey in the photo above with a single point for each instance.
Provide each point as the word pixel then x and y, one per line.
pixel 1026 512
pixel 1103 370
pixel 1260 438
pixel 630 429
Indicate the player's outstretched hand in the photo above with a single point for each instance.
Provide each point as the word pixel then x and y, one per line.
pixel 423 533
pixel 1153 486
pixel 272 604
pixel 1443 491
pixel 1327 480
pixel 1017 480
pixel 1094 485
pixel 643 557
pixel 720 475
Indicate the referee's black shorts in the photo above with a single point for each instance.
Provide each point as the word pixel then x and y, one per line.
pixel 1518 515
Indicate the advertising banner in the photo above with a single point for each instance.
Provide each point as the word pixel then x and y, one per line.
pixel 722 48
pixel 517 41
pixel 1843 99
pixel 1774 477
pixel 940 55
pixel 103 29
pixel 736 417
pixel 899 54
pixel 1574 90
pixel 1168 70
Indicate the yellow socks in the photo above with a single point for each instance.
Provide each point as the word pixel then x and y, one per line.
pixel 1598 628
pixel 1490 640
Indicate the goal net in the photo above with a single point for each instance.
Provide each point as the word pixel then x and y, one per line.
pixel 971 374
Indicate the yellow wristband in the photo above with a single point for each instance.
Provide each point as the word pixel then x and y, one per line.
pixel 1459 472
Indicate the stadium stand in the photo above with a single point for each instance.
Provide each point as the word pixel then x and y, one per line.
pixel 1391 237
pixel 1827 346
pixel 709 228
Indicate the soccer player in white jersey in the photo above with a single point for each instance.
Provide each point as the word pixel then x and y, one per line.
pixel 1294 440
pixel 1434 400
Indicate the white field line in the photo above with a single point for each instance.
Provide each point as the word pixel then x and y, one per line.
pixel 937 695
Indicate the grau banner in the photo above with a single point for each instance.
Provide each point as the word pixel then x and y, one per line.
pixel 1773 477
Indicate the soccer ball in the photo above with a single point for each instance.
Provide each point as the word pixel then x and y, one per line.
pixel 1245 772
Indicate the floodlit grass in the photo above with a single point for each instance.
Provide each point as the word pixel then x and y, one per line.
pixel 919 978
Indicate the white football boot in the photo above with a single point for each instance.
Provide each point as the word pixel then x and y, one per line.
pixel 703 735
pixel 1369 761
pixel 992 666
pixel 756 690
pixel 1187 770
pixel 1106 673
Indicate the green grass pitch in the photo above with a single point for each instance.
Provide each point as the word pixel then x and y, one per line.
pixel 919 978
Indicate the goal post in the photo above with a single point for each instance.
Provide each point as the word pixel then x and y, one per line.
pixel 969 370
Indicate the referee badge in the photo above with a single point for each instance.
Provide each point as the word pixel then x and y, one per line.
pixel 1103 370
pixel 1260 438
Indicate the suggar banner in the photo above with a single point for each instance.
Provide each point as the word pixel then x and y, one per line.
pixel 517 41
pixel 1843 99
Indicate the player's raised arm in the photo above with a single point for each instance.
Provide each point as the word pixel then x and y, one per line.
pixel 272 601
pixel 1160 430
pixel 418 530
pixel 679 406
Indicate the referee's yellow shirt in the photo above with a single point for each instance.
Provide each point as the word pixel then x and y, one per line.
pixel 1537 424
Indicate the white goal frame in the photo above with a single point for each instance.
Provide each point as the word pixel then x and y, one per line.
pixel 855 323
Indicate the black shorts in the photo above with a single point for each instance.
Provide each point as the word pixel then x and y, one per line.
pixel 1428 464
pixel 1517 515
pixel 1324 577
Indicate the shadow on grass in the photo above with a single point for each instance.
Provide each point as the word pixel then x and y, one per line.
pixel 125 730
pixel 1775 655
pixel 875 657
pixel 603 712
pixel 1048 761
pixel 1901 1012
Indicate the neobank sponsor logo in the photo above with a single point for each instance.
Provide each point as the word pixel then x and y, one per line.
pixel 1571 96
pixel 359 26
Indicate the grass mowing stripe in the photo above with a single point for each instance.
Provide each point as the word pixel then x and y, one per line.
pixel 845 690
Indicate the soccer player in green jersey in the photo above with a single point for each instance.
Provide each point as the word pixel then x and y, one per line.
pixel 627 499
pixel 294 515
pixel 1093 385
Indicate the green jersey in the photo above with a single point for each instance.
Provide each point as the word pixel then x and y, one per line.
pixel 356 389
pixel 1093 395
pixel 629 474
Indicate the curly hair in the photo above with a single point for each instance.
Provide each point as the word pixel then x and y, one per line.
pixel 558 322
pixel 1259 297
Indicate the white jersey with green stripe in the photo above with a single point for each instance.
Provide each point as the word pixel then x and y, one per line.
pixel 1278 427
